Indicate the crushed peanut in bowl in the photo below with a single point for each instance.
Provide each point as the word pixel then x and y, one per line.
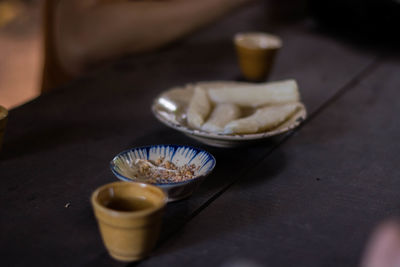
pixel 162 171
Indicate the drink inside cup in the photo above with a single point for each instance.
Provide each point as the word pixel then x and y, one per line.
pixel 129 216
pixel 256 53
pixel 129 204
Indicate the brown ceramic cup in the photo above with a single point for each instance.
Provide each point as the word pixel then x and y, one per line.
pixel 3 123
pixel 256 53
pixel 129 216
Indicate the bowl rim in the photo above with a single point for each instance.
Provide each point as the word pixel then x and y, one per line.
pixel 298 118
pixel 127 179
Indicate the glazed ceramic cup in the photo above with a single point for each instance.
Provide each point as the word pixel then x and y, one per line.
pixel 129 216
pixel 3 123
pixel 256 54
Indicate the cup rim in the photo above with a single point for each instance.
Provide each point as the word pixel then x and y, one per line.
pixel 3 112
pixel 273 37
pixel 127 214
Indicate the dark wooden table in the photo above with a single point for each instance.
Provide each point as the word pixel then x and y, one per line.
pixel 308 198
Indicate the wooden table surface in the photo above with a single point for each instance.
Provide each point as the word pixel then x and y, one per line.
pixel 307 198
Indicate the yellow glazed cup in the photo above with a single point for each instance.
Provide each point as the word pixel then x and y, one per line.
pixel 129 216
pixel 256 53
pixel 3 123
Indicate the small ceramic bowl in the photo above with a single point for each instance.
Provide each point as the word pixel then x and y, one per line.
pixel 121 166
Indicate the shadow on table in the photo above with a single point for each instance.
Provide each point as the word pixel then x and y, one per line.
pixel 247 165
pixel 225 195
pixel 232 163
pixel 267 169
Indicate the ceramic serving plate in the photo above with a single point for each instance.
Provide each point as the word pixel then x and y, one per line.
pixel 122 166
pixel 170 108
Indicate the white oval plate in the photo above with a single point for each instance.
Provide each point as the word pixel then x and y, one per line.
pixel 170 108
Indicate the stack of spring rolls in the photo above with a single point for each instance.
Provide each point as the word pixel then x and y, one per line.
pixel 220 110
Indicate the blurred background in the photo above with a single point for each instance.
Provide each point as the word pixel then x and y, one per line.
pixel 20 51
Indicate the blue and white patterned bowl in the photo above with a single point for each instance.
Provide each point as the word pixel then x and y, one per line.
pixel 178 154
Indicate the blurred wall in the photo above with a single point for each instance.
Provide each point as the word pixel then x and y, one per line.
pixel 20 51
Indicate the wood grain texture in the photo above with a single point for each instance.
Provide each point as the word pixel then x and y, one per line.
pixel 58 147
pixel 315 200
